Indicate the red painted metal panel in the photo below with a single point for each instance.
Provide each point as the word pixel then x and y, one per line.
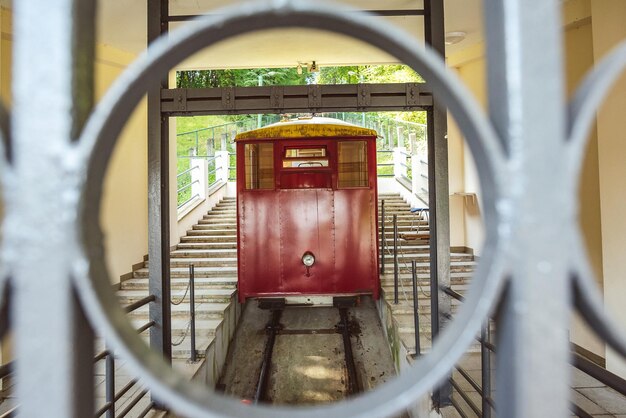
pixel 305 180
pixel 355 246
pixel 306 212
pixel 307 224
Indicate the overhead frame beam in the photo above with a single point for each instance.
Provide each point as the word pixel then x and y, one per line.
pixel 385 13
pixel 297 99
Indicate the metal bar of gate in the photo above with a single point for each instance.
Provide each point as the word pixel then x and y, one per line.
pixel 438 193
pixel 532 363
pixel 53 56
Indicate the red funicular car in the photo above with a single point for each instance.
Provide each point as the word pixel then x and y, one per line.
pixel 307 210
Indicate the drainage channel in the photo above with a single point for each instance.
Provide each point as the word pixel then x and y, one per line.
pixel 307 355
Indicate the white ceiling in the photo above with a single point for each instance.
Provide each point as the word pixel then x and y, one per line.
pixel 122 24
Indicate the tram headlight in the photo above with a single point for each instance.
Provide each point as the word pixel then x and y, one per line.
pixel 308 259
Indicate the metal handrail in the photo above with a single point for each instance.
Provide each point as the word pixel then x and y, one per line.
pixel 186 186
pixel 192 313
pixel 6 369
pixel 208 158
pixel 139 303
pixel 188 200
pixel 416 318
pixel 10 413
pixel 132 403
pixel 189 170
pixel 599 373
pixel 395 259
pixel 145 327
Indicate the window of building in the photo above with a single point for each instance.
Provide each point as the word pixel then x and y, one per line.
pixel 352 168
pixel 259 166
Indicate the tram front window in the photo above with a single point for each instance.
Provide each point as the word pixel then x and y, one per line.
pixel 305 158
pixel 259 166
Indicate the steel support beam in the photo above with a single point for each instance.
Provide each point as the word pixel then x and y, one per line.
pixel 52 97
pixel 385 13
pixel 297 99
pixel 438 195
pixel 526 101
pixel 158 198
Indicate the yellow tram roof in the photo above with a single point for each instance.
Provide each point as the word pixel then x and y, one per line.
pixel 306 128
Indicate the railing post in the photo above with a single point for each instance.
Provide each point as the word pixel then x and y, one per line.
pixel 400 131
pixel 224 165
pixel 395 259
pixel 109 376
pixel 485 367
pixel 224 142
pixel 416 318
pixel 383 238
pixel 192 313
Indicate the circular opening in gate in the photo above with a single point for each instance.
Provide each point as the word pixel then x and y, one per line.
pixel 99 139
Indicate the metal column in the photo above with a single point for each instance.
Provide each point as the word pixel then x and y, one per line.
pixel 158 197
pixel 526 99
pixel 438 195
pixel 52 97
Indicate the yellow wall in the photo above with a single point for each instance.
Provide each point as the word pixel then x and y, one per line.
pixel 579 60
pixel 470 67
pixel 5 55
pixel 602 191
pixel 608 17
pixel 125 200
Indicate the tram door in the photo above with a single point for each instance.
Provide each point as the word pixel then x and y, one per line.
pixel 306 217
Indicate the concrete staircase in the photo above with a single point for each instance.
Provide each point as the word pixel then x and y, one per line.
pixel 211 246
pixel 400 322
pixel 398 318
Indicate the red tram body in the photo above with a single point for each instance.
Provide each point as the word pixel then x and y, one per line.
pixel 307 193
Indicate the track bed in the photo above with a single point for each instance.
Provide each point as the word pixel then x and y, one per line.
pixel 307 362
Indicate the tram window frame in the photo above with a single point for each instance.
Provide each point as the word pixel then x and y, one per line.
pixel 363 180
pixel 263 167
pixel 323 159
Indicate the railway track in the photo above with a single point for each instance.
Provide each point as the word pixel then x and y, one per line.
pixel 306 355
pixel 343 328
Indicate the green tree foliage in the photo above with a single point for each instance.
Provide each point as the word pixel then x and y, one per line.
pixel 240 78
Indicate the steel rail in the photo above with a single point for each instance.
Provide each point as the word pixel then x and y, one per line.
pixel 344 328
pixel 271 328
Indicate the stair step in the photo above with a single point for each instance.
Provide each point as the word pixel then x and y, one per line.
pixel 182 282
pixel 204 253
pixel 199 272
pixel 197 244
pixel 204 310
pixel 211 233
pixel 127 297
pixel 210 238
